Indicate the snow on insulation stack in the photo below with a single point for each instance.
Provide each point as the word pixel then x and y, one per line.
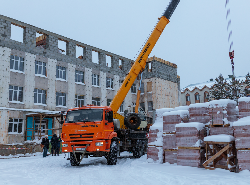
pixel 242 133
pixel 244 106
pixel 155 143
pixel 222 112
pixel 189 138
pixel 199 112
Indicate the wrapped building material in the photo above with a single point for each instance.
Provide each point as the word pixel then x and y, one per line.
pixel 221 130
pixel 242 133
pixel 190 134
pixel 199 112
pixel 170 119
pixel 243 159
pixel 222 112
pixel 155 143
pixel 170 156
pixel 191 157
pixel 244 107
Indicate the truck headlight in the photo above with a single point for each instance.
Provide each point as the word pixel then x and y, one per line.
pixel 64 145
pixel 99 144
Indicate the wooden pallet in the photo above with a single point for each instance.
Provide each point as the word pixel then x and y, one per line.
pixel 217 151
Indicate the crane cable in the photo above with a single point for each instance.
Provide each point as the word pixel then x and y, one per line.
pixel 230 39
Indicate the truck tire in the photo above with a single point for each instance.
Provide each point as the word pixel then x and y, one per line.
pixel 139 149
pixel 132 121
pixel 112 156
pixel 73 161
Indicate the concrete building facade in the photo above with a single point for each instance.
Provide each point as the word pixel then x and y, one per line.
pixel 37 81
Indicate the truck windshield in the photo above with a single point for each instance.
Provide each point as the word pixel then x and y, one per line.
pixel 84 115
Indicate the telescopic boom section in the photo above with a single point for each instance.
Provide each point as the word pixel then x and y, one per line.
pixel 140 62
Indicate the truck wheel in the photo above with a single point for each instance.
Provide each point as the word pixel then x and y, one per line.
pixel 138 149
pixel 132 121
pixel 112 156
pixel 73 161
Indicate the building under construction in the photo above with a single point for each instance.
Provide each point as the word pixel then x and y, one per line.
pixel 39 80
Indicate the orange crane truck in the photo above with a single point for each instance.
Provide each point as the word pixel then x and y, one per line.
pixel 99 130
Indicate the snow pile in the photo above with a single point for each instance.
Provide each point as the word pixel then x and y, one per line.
pixel 199 105
pixel 35 141
pixel 221 103
pixel 182 113
pixel 242 121
pixel 244 99
pixel 181 108
pixel 198 126
pixel 219 138
pixel 158 124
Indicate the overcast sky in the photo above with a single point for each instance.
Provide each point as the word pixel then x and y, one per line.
pixel 195 39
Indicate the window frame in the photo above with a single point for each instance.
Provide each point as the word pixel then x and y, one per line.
pixel 16 61
pixel 60 96
pixel 133 89
pixel 61 73
pixel 43 98
pixel 78 75
pixel 18 91
pixel 78 100
pixel 42 66
pixel 109 83
pixel 96 101
pixel 95 80
pixel 17 122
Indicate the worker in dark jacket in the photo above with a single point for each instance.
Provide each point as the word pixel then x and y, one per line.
pixel 54 143
pixel 45 145
pixel 58 146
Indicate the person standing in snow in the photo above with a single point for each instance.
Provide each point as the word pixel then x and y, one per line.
pixel 58 146
pixel 54 143
pixel 45 145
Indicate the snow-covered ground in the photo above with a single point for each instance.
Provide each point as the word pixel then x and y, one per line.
pixel 128 171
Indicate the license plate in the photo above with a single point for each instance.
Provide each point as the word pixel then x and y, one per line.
pixel 80 148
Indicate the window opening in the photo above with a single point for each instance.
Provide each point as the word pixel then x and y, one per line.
pixel 16 63
pixel 95 58
pixel 40 68
pixel 108 61
pixel 61 46
pixel 79 52
pixel 16 33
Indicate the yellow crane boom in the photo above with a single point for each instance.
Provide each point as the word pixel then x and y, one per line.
pixel 140 62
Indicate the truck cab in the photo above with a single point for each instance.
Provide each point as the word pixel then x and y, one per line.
pixel 88 130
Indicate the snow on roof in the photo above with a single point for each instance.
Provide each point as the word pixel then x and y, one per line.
pixel 246 99
pixel 219 138
pixel 182 113
pixel 199 105
pixel 242 122
pixel 32 110
pixel 198 125
pixel 221 103
pixel 209 84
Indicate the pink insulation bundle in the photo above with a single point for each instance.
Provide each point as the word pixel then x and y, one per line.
pixel 199 112
pixel 244 107
pixel 190 134
pixel 222 112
